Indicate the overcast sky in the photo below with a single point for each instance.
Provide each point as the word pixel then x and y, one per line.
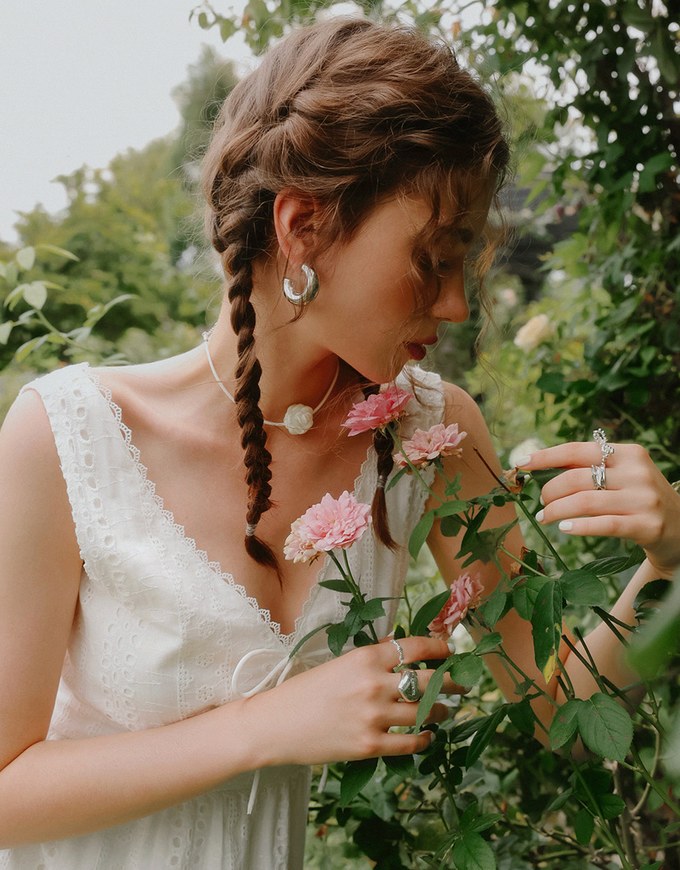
pixel 83 80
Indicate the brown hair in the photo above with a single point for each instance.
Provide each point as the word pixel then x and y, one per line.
pixel 346 112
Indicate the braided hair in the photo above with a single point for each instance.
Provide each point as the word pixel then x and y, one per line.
pixel 344 112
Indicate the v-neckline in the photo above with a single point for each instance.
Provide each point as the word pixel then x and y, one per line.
pixel 215 567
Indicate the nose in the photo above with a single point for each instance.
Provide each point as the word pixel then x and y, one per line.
pixel 451 304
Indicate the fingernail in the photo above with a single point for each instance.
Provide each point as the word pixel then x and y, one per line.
pixel 451 644
pixel 523 460
pixel 540 498
pixel 565 525
pixel 539 517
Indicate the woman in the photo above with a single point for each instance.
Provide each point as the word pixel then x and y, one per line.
pixel 146 614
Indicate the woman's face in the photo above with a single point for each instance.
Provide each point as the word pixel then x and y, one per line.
pixel 369 310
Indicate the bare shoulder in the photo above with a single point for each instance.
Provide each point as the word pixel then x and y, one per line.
pixel 33 497
pixel 461 408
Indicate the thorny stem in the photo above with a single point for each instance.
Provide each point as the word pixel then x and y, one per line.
pixel 526 513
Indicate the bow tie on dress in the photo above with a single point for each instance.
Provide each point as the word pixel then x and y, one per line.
pixel 282 665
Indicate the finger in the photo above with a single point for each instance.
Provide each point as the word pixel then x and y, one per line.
pixel 634 528
pixel 570 482
pixel 424 677
pixel 588 503
pixel 404 715
pixel 415 649
pixel 573 454
pixel 407 744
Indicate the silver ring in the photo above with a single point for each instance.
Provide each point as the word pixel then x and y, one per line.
pixel 408 686
pixel 401 654
pixel 605 447
pixel 599 472
pixel 599 475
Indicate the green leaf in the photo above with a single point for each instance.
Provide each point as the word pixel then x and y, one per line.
pixel 485 735
pixel 488 643
pixel 450 526
pixel 35 294
pixel 522 717
pixel 558 802
pixel 420 533
pixel 430 694
pixel 605 727
pixel 60 252
pixel 372 609
pixel 472 852
pixel 484 546
pixel 337 585
pixel 546 625
pixel 356 775
pixel 614 564
pixel 338 635
pixel 610 806
pixel 5 330
pixel 492 609
pixel 583 587
pixel 427 613
pixel 564 724
pixel 394 480
pixel 524 595
pixel 403 766
pixel 483 822
pixel 584 825
pixel 25 258
pixel 450 508
pixel 466 669
pixel 361 638
pixel 29 346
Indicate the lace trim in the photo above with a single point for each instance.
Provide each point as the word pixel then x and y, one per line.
pixel 150 489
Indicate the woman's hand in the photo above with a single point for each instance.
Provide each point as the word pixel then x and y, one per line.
pixel 343 710
pixel 638 503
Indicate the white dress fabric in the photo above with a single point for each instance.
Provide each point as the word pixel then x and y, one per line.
pixel 162 633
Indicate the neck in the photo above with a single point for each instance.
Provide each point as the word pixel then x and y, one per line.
pixel 289 376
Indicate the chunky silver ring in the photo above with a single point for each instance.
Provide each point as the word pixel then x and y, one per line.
pixel 408 686
pixel 401 654
pixel 599 474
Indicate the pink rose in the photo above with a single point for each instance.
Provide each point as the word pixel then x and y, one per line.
pixel 331 524
pixel 427 445
pixel 466 593
pixel 377 411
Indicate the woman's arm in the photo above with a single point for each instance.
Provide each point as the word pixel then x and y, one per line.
pixel 58 788
pixel 638 504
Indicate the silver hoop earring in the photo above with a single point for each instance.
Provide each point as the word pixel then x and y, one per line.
pixel 309 291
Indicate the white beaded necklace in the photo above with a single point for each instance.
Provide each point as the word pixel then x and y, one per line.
pixel 298 419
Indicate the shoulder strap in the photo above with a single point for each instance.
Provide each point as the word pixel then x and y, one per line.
pixel 98 469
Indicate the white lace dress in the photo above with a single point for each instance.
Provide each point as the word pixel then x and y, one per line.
pixel 162 633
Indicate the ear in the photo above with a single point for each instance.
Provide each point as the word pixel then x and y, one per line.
pixel 295 221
